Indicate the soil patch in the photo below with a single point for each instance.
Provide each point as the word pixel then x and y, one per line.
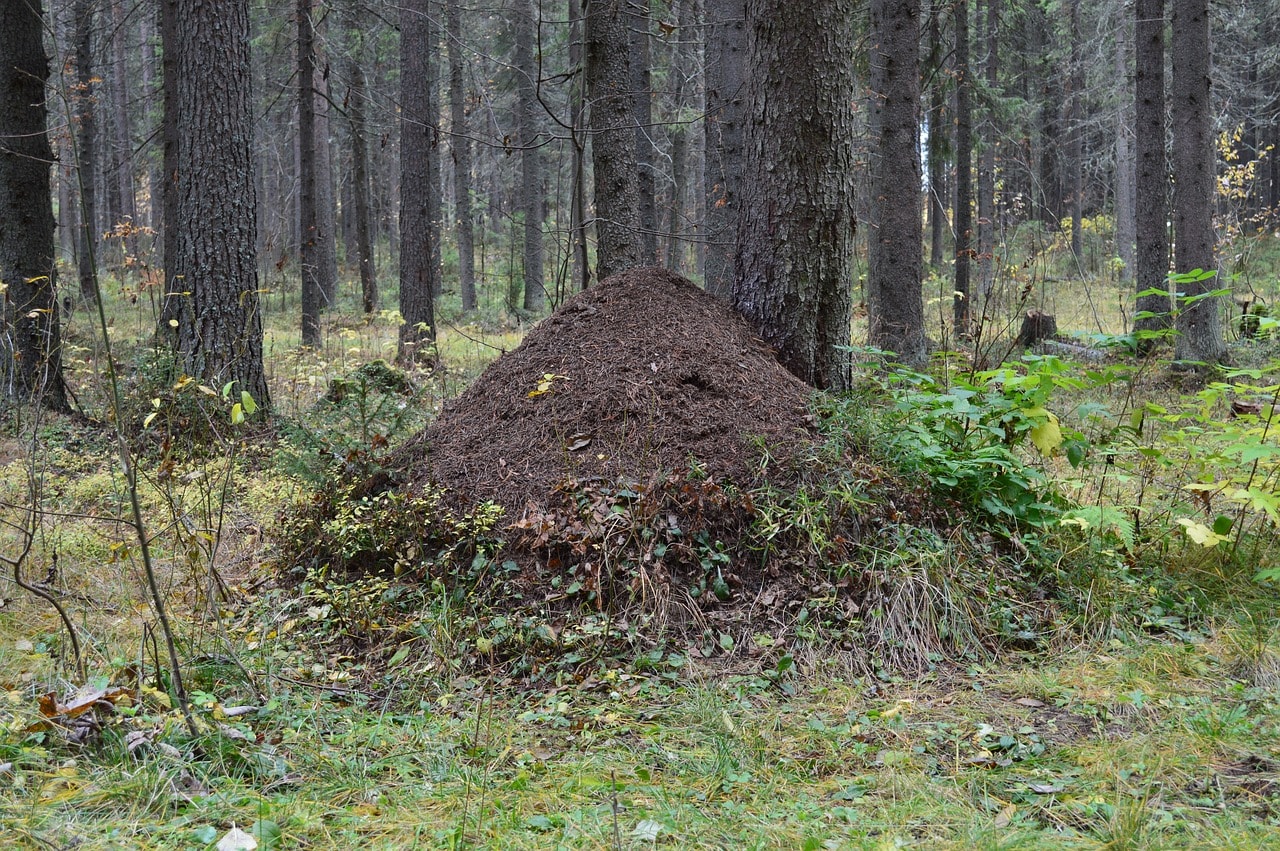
pixel 630 380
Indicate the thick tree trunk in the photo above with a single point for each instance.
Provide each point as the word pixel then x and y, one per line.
pixel 642 108
pixel 1200 339
pixel 419 276
pixel 310 233
pixel 1152 186
pixel 795 238
pixel 169 155
pixel 87 139
pixel 961 303
pixel 1126 165
pixel 31 345
pixel 725 35
pixel 613 148
pixel 460 147
pixel 527 116
pixel 578 129
pixel 219 333
pixel 894 268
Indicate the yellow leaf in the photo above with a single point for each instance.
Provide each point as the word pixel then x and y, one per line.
pixel 237 414
pixel 1200 533
pixel 1046 436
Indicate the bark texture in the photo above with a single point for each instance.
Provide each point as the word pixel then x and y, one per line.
pixel 460 147
pixel 642 106
pixel 31 345
pixel 215 283
pixel 726 47
pixel 896 253
pixel 1152 186
pixel 795 237
pixel 356 98
pixel 961 304
pixel 613 148
pixel 1126 158
pixel 1200 339
pixel 310 233
pixel 87 140
pixel 528 113
pixel 419 275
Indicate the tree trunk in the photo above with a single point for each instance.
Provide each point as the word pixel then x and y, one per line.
pixel 87 134
pixel 419 276
pixel 642 108
pixel 122 162
pixel 1152 186
pixel 1126 166
pixel 894 267
pixel 961 311
pixel 937 142
pixel 725 36
pixel 326 231
pixel 987 156
pixel 578 204
pixel 460 147
pixel 1200 339
pixel 795 238
pixel 169 140
pixel 531 193
pixel 360 183
pixel 309 230
pixel 613 148
pixel 1075 131
pixel 31 344
pixel 219 331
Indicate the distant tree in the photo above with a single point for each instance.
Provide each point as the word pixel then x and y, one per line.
pixel 726 46
pixel 1075 131
pixel 213 294
pixel 613 144
pixel 1126 155
pixel 87 141
pixel 532 197
pixel 310 231
pixel 1151 208
pixel 795 237
pixel 419 274
pixel 31 345
pixel 1200 338
pixel 938 145
pixel 961 300
pixel 895 244
pixel 991 132
pixel 357 94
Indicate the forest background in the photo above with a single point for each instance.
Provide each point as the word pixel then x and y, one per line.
pixel 1127 466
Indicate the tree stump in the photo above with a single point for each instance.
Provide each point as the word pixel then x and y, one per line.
pixel 1037 326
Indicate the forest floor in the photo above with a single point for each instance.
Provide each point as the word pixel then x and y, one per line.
pixel 1136 720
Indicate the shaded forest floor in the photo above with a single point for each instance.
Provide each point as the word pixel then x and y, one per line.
pixel 1146 715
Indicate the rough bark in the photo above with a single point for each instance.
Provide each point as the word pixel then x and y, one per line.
pixel 530 139
pixel 215 283
pixel 937 142
pixel 460 148
pixel 1200 339
pixel 578 203
pixel 795 237
pixel 309 232
pixel 87 141
pixel 725 34
pixel 896 254
pixel 1152 179
pixel 642 108
pixel 419 276
pixel 613 148
pixel 1126 160
pixel 169 141
pixel 961 308
pixel 31 345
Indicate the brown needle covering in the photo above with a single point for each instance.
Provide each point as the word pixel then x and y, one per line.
pixel 642 376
